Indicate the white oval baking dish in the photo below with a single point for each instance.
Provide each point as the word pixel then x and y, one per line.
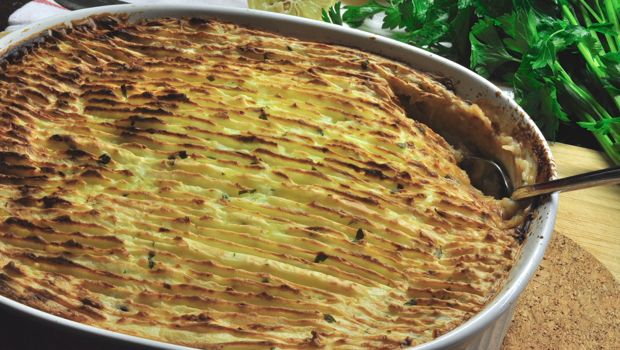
pixel 486 329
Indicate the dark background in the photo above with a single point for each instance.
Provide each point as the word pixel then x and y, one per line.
pixel 23 332
pixel 6 8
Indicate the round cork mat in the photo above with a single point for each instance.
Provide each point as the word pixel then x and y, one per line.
pixel 573 302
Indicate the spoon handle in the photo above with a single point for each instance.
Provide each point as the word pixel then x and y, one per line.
pixel 595 178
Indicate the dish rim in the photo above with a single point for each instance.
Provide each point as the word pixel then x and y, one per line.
pixel 512 287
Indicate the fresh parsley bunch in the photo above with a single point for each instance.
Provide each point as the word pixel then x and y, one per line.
pixel 562 57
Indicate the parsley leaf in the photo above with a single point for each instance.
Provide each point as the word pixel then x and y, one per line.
pixel 488 51
pixel 356 15
pixel 602 126
pixel 333 14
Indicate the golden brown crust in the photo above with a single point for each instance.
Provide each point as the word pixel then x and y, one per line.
pixel 210 185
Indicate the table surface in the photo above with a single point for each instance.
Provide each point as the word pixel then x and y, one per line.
pixel 590 217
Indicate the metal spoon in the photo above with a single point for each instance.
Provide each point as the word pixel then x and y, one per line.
pixel 492 180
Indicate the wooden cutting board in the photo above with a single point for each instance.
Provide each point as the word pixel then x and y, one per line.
pixel 590 217
pixel 573 300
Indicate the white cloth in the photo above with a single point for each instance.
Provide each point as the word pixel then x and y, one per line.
pixel 40 9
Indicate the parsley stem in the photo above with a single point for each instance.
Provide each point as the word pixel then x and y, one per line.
pixel 589 8
pixel 608 39
pixel 611 8
pixel 594 63
pixel 605 141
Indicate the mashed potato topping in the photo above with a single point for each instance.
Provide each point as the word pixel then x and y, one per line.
pixel 215 186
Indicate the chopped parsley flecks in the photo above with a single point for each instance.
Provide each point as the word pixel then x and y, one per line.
pixel 150 259
pixel 320 257
pixel 411 302
pixel 104 159
pixel 438 253
pixel 329 318
pixel 359 235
